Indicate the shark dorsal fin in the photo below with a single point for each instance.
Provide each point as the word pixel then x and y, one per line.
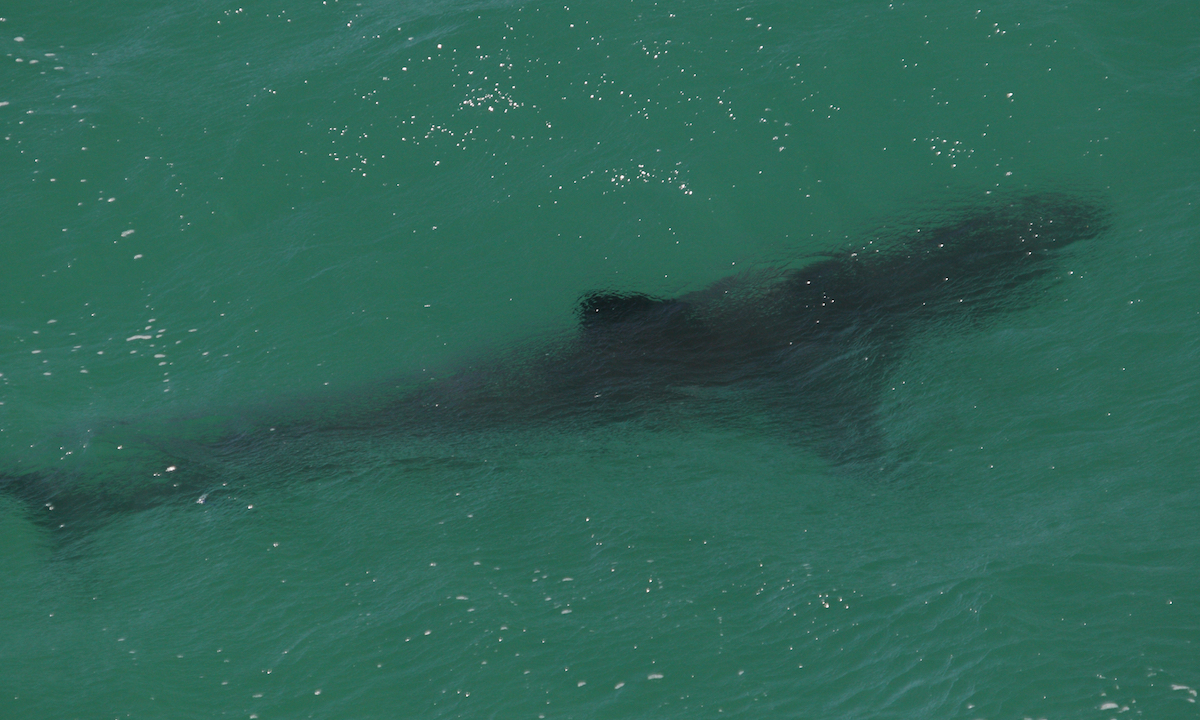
pixel 599 309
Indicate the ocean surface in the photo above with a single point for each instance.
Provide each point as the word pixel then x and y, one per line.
pixel 213 214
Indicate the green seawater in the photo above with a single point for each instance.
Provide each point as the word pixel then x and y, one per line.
pixel 209 208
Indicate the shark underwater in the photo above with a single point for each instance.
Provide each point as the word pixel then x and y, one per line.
pixel 812 344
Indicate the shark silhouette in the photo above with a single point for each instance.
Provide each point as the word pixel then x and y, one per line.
pixel 813 345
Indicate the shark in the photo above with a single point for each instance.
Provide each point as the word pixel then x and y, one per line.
pixel 812 344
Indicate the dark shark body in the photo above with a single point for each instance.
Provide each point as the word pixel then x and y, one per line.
pixel 811 345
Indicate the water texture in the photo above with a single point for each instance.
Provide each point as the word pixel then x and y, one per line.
pixel 218 216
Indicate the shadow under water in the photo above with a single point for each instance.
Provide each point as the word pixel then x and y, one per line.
pixel 811 346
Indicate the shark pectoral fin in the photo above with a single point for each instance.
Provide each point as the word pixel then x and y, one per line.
pixel 836 416
pixel 852 439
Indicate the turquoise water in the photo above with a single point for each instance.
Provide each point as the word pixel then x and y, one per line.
pixel 222 210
